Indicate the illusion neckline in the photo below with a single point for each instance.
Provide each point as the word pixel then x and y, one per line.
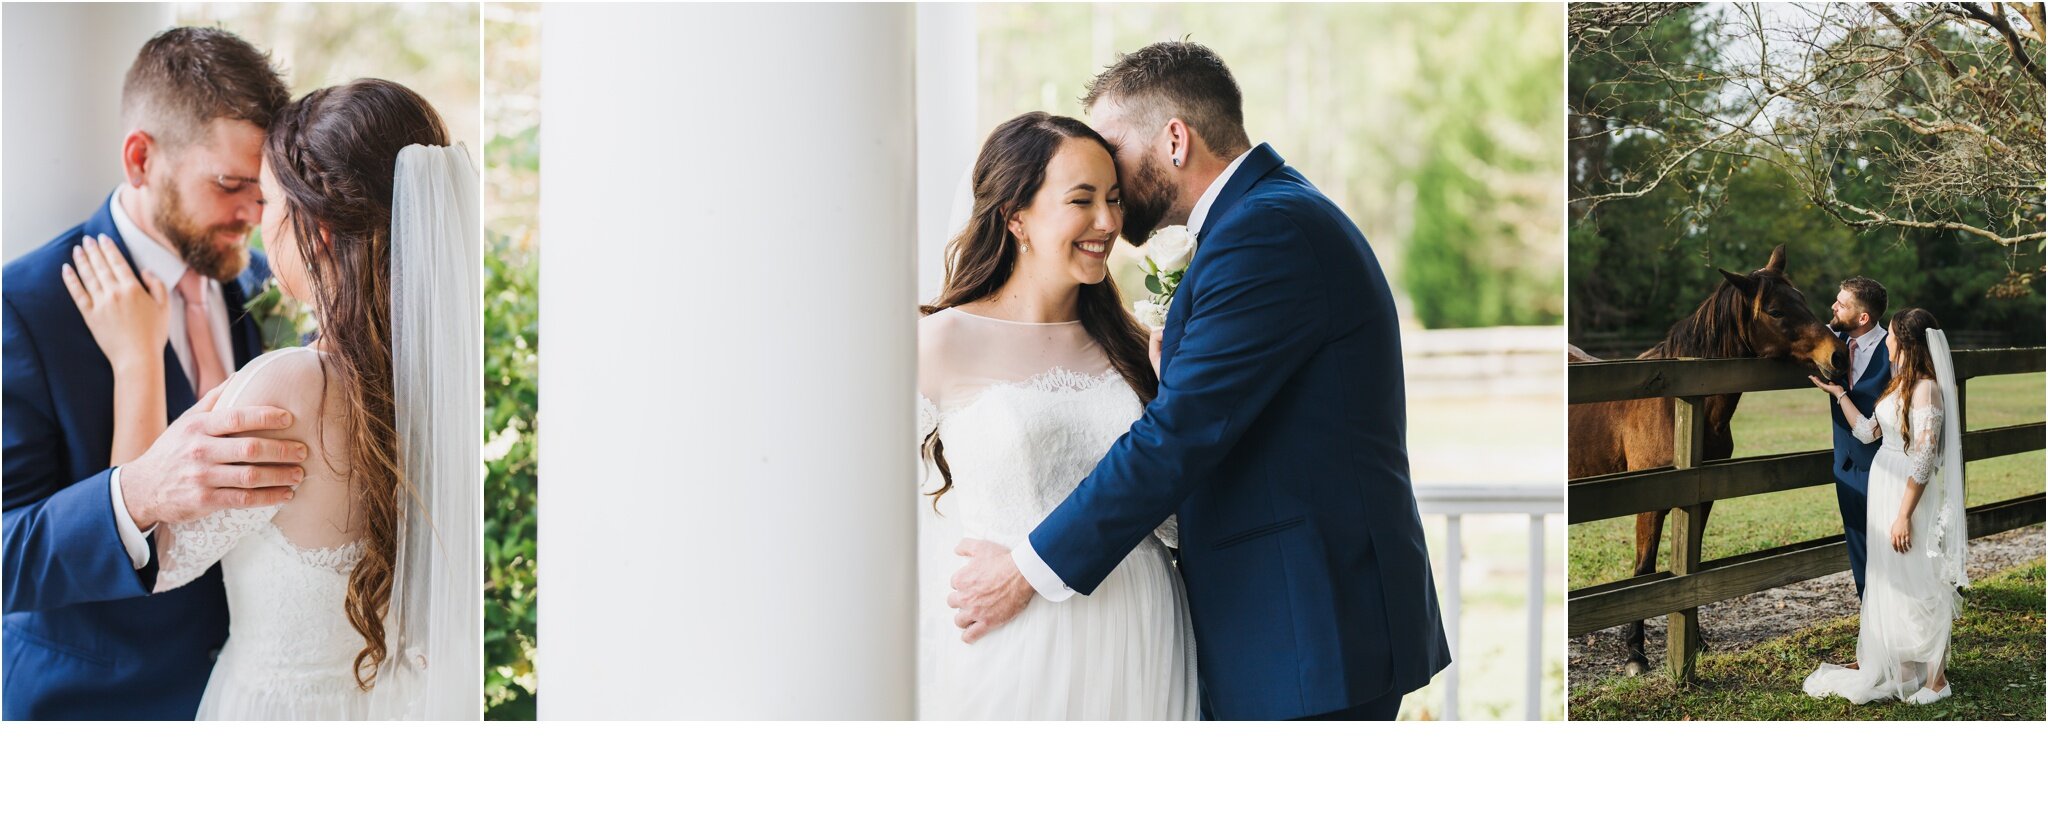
pixel 1011 322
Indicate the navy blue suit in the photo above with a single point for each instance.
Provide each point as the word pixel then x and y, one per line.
pixel 1279 437
pixel 1853 457
pixel 83 638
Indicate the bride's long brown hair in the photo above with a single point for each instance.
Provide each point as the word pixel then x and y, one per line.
pixel 334 152
pixel 983 256
pixel 1916 363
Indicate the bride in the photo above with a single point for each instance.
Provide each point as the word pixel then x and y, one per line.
pixel 358 597
pixel 1916 497
pixel 1029 368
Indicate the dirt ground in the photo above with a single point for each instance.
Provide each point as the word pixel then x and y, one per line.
pixel 1732 625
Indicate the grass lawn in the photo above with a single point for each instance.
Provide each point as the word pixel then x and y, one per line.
pixel 1995 666
pixel 1797 420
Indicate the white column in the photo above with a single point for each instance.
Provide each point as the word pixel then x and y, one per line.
pixel 63 64
pixel 947 138
pixel 727 231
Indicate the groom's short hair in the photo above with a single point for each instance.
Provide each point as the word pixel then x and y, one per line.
pixel 1177 78
pixel 1869 294
pixel 186 77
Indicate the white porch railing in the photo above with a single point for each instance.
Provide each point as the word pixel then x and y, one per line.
pixel 1454 502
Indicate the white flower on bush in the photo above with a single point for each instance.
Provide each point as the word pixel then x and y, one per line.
pixel 1165 255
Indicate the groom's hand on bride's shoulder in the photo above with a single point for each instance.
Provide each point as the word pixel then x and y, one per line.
pixel 988 591
pixel 200 465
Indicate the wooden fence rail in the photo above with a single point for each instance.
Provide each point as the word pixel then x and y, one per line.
pixel 1689 483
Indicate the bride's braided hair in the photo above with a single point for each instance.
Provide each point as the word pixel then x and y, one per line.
pixel 981 258
pixel 334 152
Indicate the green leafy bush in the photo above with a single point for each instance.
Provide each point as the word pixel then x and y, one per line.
pixel 511 395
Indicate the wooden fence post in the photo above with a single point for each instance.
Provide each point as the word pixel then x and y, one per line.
pixel 1682 628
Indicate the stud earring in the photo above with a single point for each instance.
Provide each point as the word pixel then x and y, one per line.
pixel 1176 162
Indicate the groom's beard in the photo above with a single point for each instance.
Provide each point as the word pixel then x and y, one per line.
pixel 1148 202
pixel 201 247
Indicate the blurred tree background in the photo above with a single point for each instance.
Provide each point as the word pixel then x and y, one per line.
pixel 1434 126
pixel 1704 135
pixel 511 360
pixel 431 48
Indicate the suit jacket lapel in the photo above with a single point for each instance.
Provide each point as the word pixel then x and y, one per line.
pixel 242 329
pixel 1262 161
pixel 178 395
pixel 1878 371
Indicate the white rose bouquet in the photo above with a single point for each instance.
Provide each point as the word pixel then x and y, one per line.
pixel 1165 255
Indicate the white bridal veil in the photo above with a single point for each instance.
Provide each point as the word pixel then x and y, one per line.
pixel 434 670
pixel 1951 524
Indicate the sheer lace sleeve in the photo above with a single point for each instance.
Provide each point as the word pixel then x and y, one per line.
pixel 1862 427
pixel 186 550
pixel 1925 450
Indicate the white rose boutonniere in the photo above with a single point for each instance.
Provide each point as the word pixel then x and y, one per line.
pixel 1165 255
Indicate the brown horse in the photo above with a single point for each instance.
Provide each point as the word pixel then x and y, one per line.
pixel 1758 314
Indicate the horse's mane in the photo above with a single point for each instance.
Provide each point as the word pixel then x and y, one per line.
pixel 1712 330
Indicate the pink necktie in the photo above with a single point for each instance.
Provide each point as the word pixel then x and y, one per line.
pixel 1852 361
pixel 199 334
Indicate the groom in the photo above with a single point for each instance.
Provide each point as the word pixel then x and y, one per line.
pixel 83 637
pixel 1858 310
pixel 1278 435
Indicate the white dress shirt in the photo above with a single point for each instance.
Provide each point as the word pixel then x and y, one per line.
pixel 145 254
pixel 1041 576
pixel 1865 345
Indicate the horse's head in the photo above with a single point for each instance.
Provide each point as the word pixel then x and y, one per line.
pixel 1779 324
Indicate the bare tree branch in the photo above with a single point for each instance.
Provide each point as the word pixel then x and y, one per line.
pixel 1920 116
pixel 2012 38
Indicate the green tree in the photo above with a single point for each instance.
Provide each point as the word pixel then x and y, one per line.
pixel 1435 128
pixel 511 396
pixel 1704 135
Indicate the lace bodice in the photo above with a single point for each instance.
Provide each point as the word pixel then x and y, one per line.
pixel 1024 411
pixel 284 600
pixel 1924 450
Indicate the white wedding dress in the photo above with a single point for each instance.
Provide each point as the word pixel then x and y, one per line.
pixel 1910 598
pixel 291 651
pixel 1023 412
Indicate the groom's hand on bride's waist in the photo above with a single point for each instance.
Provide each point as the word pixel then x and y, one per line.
pixel 199 465
pixel 988 591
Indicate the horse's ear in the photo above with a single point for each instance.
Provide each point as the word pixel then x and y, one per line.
pixel 1777 263
pixel 1743 282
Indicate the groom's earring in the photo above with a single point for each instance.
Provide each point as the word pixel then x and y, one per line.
pixel 1176 162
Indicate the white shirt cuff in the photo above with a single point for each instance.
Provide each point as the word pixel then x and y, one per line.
pixel 135 540
pixel 1039 575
